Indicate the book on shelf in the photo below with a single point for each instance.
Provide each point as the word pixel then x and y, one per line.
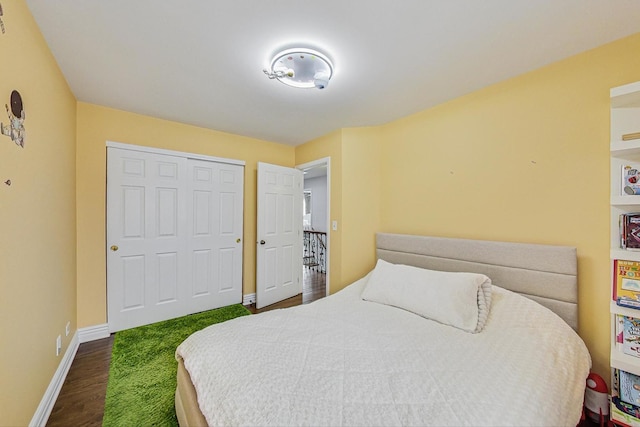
pixel 619 319
pixel 629 224
pixel 631 336
pixel 630 179
pixel 621 418
pixel 627 408
pixel 626 288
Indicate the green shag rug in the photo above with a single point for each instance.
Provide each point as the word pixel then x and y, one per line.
pixel 142 374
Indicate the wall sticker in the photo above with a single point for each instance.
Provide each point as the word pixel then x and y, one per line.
pixel 8 181
pixel 15 128
pixel 1 23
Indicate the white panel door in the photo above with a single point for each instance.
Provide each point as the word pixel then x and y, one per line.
pixel 145 237
pixel 215 199
pixel 174 236
pixel 279 231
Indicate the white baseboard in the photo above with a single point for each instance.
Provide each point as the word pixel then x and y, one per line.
pixel 248 299
pixel 51 394
pixel 92 333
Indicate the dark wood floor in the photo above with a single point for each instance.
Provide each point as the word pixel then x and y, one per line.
pixel 81 400
pixel 313 288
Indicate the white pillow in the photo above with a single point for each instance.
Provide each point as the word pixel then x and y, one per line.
pixel 462 300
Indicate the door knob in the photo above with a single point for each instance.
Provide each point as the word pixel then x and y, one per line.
pixel 114 248
pixel 262 242
pixel 237 240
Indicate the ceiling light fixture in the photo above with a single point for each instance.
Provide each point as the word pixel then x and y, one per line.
pixel 301 67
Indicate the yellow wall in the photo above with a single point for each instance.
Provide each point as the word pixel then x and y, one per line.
pixel 525 160
pixel 96 125
pixel 361 200
pixel 37 218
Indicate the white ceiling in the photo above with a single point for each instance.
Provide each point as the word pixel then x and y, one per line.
pixel 200 61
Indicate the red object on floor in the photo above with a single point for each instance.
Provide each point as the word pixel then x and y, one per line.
pixel 596 401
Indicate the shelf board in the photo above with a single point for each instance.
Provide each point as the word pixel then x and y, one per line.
pixel 626 96
pixel 625 200
pixel 625 362
pixel 625 149
pixel 625 255
pixel 624 311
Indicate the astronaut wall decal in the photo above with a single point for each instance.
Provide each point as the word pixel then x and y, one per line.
pixel 1 23
pixel 15 128
pixel 8 181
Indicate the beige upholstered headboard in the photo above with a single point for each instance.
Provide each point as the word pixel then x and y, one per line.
pixel 546 274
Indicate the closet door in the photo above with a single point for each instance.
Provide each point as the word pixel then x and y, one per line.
pixel 146 237
pixel 215 200
pixel 174 236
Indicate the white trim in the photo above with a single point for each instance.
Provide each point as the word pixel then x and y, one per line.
pixel 249 299
pixel 174 153
pixel 92 333
pixel 324 161
pixel 45 407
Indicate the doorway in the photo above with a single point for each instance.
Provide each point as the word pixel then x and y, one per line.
pixel 316 219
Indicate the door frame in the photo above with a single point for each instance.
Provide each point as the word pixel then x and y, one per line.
pixel 186 154
pixel 325 161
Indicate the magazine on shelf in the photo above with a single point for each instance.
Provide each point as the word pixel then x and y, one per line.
pixel 630 231
pixel 630 179
pixel 629 388
pixel 626 289
pixel 631 336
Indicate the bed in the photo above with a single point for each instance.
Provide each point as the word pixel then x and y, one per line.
pixel 370 355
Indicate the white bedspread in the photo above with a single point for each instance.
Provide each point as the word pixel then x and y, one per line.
pixel 344 361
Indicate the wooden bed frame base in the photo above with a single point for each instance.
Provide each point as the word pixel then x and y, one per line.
pixel 187 409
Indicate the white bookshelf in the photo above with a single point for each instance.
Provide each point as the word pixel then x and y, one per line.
pixel 625 119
